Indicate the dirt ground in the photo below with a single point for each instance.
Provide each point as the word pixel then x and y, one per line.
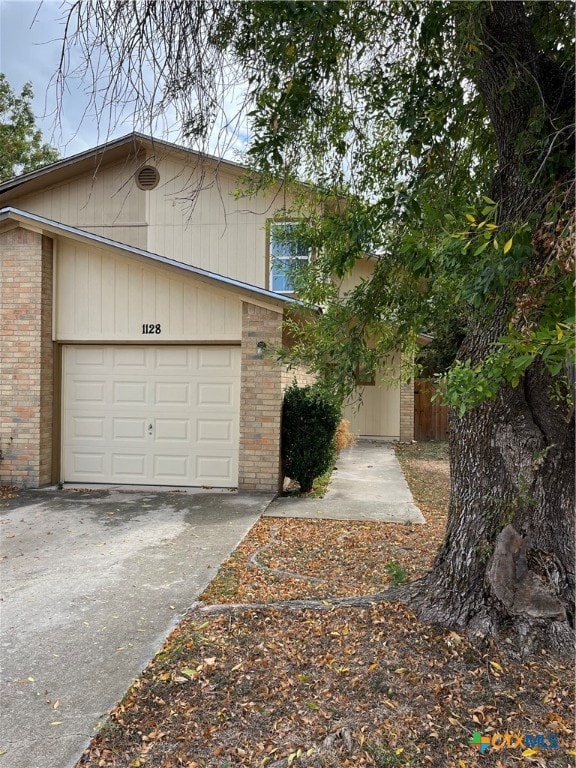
pixel 318 685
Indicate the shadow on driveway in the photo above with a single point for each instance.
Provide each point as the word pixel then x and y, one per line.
pixel 92 582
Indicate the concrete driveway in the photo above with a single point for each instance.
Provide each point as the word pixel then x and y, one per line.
pixel 92 582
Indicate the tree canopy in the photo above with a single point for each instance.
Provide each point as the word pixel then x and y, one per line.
pixel 438 138
pixel 21 146
pixel 381 103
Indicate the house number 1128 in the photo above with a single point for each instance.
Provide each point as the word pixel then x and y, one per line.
pixel 151 328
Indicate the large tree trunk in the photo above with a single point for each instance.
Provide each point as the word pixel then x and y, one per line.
pixel 507 563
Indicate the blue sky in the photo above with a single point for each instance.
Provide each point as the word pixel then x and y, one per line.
pixel 30 44
pixel 30 34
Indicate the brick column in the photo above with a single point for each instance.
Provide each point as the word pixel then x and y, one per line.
pixel 260 402
pixel 407 412
pixel 26 358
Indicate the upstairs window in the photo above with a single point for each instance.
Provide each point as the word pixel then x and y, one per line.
pixel 286 255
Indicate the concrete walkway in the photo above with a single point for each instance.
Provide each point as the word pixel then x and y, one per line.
pixel 367 484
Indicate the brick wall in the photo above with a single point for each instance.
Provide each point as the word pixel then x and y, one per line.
pixel 407 412
pixel 300 374
pixel 47 366
pixel 26 358
pixel 260 402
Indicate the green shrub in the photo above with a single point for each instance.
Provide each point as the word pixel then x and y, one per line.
pixel 397 573
pixel 309 422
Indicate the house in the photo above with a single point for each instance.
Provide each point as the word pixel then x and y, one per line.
pixel 133 324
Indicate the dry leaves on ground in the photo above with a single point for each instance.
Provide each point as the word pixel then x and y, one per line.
pixel 253 688
pixel 8 492
pixel 342 686
pixel 339 558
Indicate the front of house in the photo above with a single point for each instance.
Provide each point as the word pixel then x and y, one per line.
pixel 133 325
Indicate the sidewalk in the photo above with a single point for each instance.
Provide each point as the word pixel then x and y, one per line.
pixel 367 484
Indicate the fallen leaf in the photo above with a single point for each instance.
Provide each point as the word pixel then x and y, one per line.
pixel 189 673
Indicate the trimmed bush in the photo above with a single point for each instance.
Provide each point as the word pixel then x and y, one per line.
pixel 309 422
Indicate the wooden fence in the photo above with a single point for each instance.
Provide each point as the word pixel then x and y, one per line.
pixel 430 418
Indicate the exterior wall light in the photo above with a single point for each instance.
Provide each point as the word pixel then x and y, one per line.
pixel 261 348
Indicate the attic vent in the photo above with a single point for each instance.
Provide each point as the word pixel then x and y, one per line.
pixel 147 177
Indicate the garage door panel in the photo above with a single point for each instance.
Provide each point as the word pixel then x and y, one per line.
pixel 130 465
pixel 88 464
pixel 172 429
pixel 86 427
pixel 211 394
pixel 129 358
pixel 216 358
pixel 89 356
pixel 89 391
pixel 151 415
pixel 174 358
pixel 173 393
pixel 215 431
pixel 129 392
pixel 128 429
pixel 171 467
pixel 209 469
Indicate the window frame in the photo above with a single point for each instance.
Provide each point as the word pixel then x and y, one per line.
pixel 364 377
pixel 272 259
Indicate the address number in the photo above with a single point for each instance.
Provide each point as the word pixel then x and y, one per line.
pixel 151 328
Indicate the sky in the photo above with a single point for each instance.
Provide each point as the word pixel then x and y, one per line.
pixel 31 32
pixel 30 42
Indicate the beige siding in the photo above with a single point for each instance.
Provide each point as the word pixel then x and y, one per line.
pixel 379 413
pixel 218 232
pixel 222 234
pixel 375 410
pixel 108 203
pixel 101 296
pixel 362 270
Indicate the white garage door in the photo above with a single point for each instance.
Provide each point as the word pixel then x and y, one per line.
pixel 151 415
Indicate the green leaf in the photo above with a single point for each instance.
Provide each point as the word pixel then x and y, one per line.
pixel 189 673
pixel 555 368
pixel 523 361
pixel 481 248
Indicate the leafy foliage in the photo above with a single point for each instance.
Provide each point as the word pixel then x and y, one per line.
pixel 384 108
pixel 438 143
pixel 21 146
pixel 309 423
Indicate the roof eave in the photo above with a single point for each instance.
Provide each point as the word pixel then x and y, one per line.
pixel 140 141
pixel 55 227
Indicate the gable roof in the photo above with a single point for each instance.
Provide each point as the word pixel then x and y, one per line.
pixel 131 145
pixel 57 228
